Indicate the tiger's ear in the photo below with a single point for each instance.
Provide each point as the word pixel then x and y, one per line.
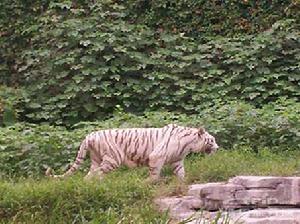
pixel 201 131
pixel 172 125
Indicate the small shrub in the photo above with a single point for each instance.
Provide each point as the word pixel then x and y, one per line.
pixel 275 125
pixel 9 99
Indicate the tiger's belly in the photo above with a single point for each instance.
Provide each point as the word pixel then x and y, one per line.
pixel 130 163
pixel 134 163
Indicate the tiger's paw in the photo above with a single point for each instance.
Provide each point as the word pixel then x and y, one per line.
pixel 151 180
pixel 94 176
pixel 49 172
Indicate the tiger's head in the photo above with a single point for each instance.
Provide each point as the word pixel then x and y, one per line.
pixel 206 142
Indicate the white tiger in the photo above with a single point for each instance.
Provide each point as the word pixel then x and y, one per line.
pixel 153 147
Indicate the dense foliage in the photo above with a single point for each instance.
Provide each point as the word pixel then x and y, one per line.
pixel 93 72
pixel 84 61
pixel 29 149
pixel 209 18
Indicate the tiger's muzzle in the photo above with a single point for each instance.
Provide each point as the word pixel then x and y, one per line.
pixel 212 149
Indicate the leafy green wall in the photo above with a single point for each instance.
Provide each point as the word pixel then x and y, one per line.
pixel 81 61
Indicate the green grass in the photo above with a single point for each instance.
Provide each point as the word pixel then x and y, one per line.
pixel 124 196
pixel 226 164
pixel 73 200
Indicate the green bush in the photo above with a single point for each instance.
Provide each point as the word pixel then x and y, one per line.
pixel 27 149
pixel 275 125
pixel 93 71
pixel 80 61
pixel 83 61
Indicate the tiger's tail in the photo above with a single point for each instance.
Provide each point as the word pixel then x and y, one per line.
pixel 82 151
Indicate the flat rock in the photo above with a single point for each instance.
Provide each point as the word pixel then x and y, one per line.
pixel 249 199
pixel 247 191
pixel 267 216
pixel 256 216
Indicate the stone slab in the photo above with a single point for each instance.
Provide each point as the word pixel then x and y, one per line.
pixel 251 199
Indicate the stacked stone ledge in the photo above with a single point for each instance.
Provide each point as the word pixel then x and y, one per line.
pixel 249 199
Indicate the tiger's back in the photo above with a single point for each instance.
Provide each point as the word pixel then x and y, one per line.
pixel 131 147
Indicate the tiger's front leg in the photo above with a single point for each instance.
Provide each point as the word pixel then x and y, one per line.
pixel 178 169
pixel 155 165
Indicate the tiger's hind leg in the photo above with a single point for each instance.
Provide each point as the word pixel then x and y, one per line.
pixel 96 160
pixel 107 165
pixel 92 171
pixel 104 163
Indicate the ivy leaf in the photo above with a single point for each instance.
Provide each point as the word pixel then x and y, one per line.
pixel 9 116
pixel 34 105
pixel 90 107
